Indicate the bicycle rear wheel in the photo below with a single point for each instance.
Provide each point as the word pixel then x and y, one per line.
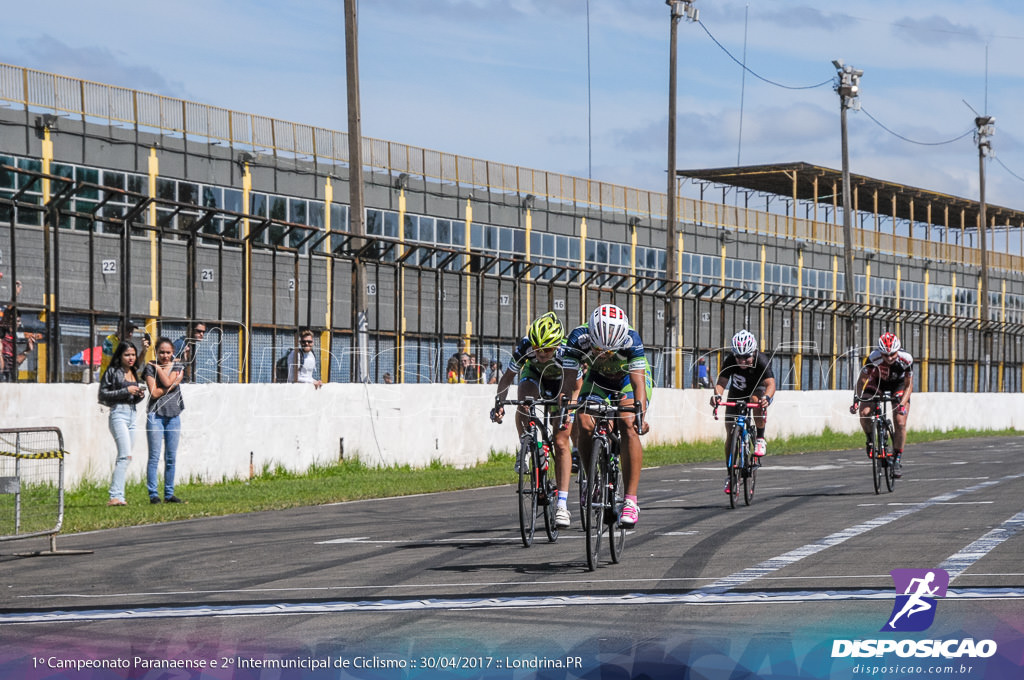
pixel 546 488
pixel 527 492
pixel 732 462
pixel 597 495
pixel 877 458
pixel 581 485
pixel 616 532
pixel 890 460
pixel 750 466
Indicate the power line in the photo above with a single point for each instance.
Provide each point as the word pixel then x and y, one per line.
pixel 753 73
pixel 914 141
pixel 1015 175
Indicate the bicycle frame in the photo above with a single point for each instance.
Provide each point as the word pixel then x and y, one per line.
pixel 532 462
pixel 740 462
pixel 883 465
pixel 605 494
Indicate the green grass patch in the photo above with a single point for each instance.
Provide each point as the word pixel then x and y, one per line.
pixel 276 489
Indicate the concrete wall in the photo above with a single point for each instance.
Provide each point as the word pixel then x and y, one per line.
pixel 295 426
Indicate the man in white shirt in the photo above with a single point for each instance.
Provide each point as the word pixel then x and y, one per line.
pixel 302 361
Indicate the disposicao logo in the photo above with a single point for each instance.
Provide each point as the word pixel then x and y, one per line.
pixel 917 595
pixel 914 610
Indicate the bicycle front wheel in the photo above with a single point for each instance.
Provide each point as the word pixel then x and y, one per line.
pixel 616 532
pixel 877 457
pixel 597 497
pixel 750 466
pixel 527 492
pixel 890 460
pixel 546 489
pixel 581 485
pixel 732 463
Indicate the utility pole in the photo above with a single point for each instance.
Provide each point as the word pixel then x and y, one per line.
pixel 986 128
pixel 848 88
pixel 679 9
pixel 355 187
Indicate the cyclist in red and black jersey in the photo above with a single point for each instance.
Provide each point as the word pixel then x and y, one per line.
pixel 887 369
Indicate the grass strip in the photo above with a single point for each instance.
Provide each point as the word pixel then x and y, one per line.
pixel 277 489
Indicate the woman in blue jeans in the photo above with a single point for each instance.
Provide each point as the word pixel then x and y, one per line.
pixel 121 390
pixel 163 422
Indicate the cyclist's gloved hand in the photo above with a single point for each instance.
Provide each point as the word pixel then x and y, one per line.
pixel 716 399
pixel 854 406
pixel 901 409
pixel 497 413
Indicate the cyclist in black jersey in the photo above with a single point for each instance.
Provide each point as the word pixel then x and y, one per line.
pixel 537 364
pixel 888 369
pixel 748 375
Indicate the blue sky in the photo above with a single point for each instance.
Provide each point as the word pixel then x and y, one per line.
pixel 506 80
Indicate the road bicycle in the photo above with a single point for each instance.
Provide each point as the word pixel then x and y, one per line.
pixel 883 460
pixel 603 495
pixel 537 491
pixel 740 462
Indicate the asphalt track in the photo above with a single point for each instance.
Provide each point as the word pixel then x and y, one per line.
pixel 446 574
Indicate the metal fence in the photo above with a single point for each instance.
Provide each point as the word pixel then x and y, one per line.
pixel 147 112
pixel 255 281
pixel 32 484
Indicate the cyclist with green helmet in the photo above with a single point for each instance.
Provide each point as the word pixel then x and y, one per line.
pixel 536 363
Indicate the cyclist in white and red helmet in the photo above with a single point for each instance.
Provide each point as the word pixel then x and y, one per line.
pixel 889 368
pixel 747 374
pixel 616 371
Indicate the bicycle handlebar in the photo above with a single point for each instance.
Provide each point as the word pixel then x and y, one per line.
pixel 881 396
pixel 529 401
pixel 603 410
pixel 748 404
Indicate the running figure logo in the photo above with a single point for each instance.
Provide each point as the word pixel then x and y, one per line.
pixel 914 609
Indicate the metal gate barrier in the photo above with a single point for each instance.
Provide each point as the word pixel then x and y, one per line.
pixel 32 485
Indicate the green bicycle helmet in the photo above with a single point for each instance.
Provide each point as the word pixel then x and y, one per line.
pixel 546 332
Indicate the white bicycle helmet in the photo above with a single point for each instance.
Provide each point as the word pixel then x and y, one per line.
pixel 609 328
pixel 744 344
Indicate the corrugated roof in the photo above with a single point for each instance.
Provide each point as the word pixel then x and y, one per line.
pixel 778 178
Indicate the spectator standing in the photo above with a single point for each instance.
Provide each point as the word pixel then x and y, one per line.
pixel 470 369
pixel 121 389
pixel 302 361
pixel 163 418
pixel 186 347
pixel 493 372
pixel 10 357
pixel 453 371
pixel 702 373
pixel 124 331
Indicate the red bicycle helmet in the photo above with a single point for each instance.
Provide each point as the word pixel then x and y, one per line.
pixel 888 344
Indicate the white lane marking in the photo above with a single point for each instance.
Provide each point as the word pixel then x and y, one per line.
pixel 700 598
pixel 679 533
pixel 786 559
pixel 576 582
pixel 870 505
pixel 959 562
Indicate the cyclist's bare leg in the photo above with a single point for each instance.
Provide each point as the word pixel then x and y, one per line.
pixel 866 412
pixel 899 427
pixel 632 450
pixel 526 389
pixel 563 459
pixel 584 429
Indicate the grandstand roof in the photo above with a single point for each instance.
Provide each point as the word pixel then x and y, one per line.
pixel 787 179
